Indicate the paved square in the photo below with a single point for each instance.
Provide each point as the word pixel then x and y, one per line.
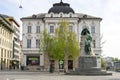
pixel 54 76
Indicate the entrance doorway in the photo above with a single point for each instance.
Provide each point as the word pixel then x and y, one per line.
pixel 70 64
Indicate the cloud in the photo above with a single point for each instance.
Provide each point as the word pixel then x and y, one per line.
pixel 112 38
pixel 109 10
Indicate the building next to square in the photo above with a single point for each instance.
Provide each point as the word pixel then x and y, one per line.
pixel 35 24
pixel 9 42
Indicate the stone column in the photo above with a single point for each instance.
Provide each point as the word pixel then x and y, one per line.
pixel 46 62
pixel 24 60
pixel 66 64
pixel 7 60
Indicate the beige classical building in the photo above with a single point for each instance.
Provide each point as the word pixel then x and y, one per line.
pixel 6 42
pixel 33 25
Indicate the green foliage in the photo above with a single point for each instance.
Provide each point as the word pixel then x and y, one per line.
pixel 63 43
pixel 118 69
pixel 116 59
pixel 103 63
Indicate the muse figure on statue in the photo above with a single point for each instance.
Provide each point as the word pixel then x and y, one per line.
pixel 88 44
pixel 88 41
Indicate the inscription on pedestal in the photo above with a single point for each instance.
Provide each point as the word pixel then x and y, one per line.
pixel 87 62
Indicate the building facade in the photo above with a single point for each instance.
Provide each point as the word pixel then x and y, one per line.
pixel 117 66
pixel 15 39
pixel 6 43
pixel 35 24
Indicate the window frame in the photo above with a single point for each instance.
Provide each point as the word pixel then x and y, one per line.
pixel 92 29
pixel 37 29
pixel 29 29
pixel 51 29
pixel 37 43
pixel 28 43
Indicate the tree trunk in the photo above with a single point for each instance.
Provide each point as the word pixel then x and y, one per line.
pixel 65 64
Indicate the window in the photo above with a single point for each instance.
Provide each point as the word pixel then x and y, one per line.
pixel 92 29
pixel 5 54
pixel 94 43
pixel 51 29
pixel 70 15
pixel 2 31
pixel 1 52
pixel 37 29
pixel 28 43
pixel 37 43
pixel 33 60
pixel 29 29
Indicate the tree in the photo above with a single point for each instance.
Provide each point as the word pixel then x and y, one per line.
pixel 116 59
pixel 103 63
pixel 61 44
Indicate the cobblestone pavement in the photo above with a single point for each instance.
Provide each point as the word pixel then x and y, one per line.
pixel 19 75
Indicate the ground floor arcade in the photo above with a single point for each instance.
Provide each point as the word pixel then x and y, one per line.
pixel 42 62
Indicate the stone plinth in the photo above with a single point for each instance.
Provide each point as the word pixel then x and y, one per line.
pixel 86 62
pixel 87 65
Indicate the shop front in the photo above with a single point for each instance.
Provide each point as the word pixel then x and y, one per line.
pixel 33 61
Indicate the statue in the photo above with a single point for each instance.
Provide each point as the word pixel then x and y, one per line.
pixel 88 41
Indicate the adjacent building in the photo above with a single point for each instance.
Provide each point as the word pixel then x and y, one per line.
pixel 35 24
pixel 6 42
pixel 16 40
pixel 10 40
pixel 117 66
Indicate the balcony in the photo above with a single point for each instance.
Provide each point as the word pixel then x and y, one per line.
pixel 30 51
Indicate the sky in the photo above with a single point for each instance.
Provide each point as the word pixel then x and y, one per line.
pixel 108 10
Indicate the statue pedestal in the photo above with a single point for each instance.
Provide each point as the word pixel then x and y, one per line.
pixel 87 62
pixel 87 65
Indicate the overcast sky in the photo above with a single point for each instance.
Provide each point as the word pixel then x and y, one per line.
pixel 108 10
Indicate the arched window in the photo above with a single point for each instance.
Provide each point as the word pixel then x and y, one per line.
pixel 85 26
pixel 85 31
